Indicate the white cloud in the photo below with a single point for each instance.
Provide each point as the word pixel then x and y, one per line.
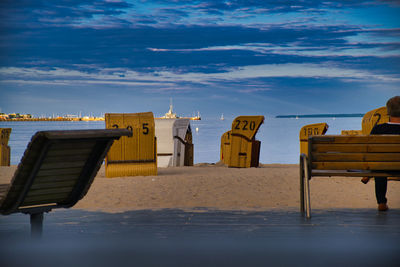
pixel 253 90
pixel 119 76
pixel 75 82
pixel 354 49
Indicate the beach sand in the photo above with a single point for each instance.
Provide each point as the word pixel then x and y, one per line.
pixel 214 186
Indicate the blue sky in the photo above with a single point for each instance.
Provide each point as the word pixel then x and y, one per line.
pixel 232 57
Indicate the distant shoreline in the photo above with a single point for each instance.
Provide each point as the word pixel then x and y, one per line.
pixel 52 119
pixel 356 115
pixel 74 119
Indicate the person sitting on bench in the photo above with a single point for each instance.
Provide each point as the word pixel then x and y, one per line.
pixel 392 127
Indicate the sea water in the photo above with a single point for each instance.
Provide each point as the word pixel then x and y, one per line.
pixel 279 136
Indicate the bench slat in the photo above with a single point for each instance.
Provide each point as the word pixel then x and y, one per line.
pixel 74 171
pixel 366 139
pixel 37 186
pixel 48 185
pixel 79 144
pixel 66 158
pixel 50 180
pixel 356 148
pixel 354 173
pixel 368 157
pixel 49 191
pixel 47 179
pixel 62 165
pixel 54 179
pixel 68 152
pixel 382 166
pixel 46 199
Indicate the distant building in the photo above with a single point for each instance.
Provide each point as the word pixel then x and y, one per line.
pixel 11 116
pixel 3 116
pixel 71 116
pixel 26 116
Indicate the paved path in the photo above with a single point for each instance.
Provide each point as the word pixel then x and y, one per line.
pixel 204 238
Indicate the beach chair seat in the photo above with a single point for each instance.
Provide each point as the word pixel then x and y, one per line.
pixel 56 171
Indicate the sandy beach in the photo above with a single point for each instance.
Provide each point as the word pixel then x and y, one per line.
pixel 214 186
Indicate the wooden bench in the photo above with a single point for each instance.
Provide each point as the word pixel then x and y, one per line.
pixel 56 171
pixel 349 156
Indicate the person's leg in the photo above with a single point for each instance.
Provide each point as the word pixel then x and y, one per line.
pixel 380 192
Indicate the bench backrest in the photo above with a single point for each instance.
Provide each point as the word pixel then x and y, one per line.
pixel 373 152
pixel 57 169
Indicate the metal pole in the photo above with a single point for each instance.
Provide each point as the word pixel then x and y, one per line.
pixel 307 189
pixel 36 225
pixel 302 210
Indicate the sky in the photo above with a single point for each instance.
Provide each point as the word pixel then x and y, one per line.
pixel 234 57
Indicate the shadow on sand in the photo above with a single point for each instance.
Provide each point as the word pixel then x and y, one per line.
pixel 204 238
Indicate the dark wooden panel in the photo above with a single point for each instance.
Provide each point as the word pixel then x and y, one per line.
pixel 351 157
pixel 393 166
pixel 67 148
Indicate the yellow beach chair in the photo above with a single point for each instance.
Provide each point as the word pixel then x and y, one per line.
pixel 239 148
pixel 135 155
pixel 310 130
pixel 5 151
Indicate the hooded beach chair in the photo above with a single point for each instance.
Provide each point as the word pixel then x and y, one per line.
pixel 56 171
